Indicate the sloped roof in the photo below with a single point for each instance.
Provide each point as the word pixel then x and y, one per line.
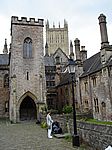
pixel 110 61
pixel 64 79
pixel 4 59
pixel 92 64
pixel 49 61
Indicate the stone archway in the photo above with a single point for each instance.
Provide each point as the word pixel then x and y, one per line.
pixel 27 109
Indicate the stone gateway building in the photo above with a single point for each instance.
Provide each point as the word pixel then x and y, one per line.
pixel 25 68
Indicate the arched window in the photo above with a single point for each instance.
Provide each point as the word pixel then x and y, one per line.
pixel 27 48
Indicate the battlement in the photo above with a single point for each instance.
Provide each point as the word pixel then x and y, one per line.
pixel 25 21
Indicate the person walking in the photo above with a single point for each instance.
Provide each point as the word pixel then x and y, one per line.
pixel 49 124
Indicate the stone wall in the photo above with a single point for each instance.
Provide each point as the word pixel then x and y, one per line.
pixel 4 93
pixel 98 137
pixel 4 98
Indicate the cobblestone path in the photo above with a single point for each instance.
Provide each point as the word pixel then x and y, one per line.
pixel 29 136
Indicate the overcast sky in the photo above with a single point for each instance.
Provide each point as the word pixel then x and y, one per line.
pixel 81 15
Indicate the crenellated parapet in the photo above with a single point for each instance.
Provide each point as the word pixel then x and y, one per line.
pixel 25 21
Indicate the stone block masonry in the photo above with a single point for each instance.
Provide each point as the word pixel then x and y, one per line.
pixel 27 71
pixel 98 137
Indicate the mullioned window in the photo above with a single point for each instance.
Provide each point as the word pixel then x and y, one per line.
pixel 27 48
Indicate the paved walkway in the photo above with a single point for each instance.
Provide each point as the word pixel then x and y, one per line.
pixel 29 136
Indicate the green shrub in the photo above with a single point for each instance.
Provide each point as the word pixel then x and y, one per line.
pixel 67 109
pixel 68 138
pixel 43 125
pixel 98 122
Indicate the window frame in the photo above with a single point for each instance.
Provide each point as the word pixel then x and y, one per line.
pixel 6 81
pixel 27 48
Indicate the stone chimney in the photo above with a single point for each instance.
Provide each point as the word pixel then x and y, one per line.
pixel 103 30
pixel 106 49
pixel 77 49
pixel 83 53
pixel 79 65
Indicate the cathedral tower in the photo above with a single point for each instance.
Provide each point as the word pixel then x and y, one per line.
pixel 27 73
pixel 57 38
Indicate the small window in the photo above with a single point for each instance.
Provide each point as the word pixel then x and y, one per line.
pixel 48 84
pixel 103 104
pixel 86 104
pixel 61 91
pixel 27 48
pixel 94 81
pixel 86 86
pixel 57 60
pixel 96 105
pixel 6 106
pixel 6 81
pixel 27 75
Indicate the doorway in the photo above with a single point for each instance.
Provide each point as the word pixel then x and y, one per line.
pixel 28 109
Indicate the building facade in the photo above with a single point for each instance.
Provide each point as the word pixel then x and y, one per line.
pixel 56 57
pixel 27 86
pixel 4 85
pixel 93 79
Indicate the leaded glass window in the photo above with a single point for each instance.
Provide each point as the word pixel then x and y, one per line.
pixel 27 48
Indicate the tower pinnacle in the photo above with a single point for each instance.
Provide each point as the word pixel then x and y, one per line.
pixel 5 50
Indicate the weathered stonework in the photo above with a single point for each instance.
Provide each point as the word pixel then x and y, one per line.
pixel 97 137
pixel 4 93
pixel 27 75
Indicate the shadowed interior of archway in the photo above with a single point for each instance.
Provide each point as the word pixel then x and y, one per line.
pixel 28 109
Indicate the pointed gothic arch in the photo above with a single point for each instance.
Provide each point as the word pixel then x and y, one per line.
pixel 27 107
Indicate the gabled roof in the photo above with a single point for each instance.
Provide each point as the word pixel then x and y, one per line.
pixel 92 64
pixel 59 50
pixel 110 61
pixel 49 61
pixel 4 59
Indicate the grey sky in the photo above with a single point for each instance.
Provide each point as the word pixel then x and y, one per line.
pixel 81 15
